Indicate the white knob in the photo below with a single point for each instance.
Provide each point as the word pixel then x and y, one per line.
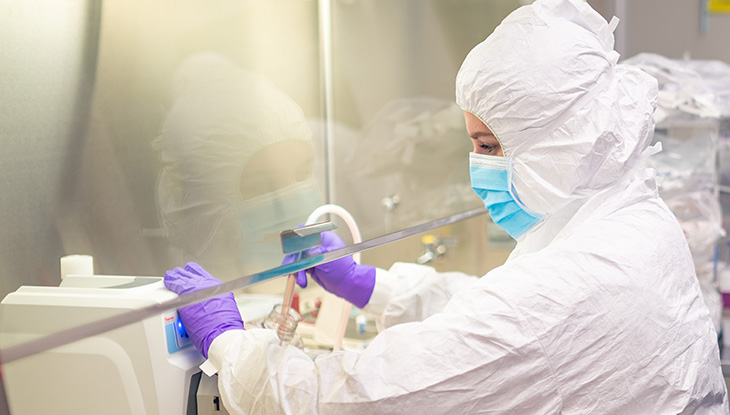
pixel 77 264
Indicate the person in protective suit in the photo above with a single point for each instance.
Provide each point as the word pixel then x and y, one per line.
pixel 236 166
pixel 597 309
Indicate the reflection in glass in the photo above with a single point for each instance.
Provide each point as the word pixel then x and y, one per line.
pixel 237 167
pixel 412 161
pixel 394 65
pixel 231 157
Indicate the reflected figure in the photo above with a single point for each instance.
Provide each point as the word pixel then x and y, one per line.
pixel 237 164
pixel 409 155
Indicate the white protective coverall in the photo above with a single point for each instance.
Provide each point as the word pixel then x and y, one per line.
pixel 597 310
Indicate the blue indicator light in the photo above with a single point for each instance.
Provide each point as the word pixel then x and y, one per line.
pixel 181 329
pixel 176 335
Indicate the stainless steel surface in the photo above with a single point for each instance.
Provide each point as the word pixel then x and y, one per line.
pixel 318 227
pixel 308 236
pixel 326 67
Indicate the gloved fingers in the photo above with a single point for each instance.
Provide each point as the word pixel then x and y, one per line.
pixel 331 242
pixel 289 259
pixel 175 274
pixel 223 306
pixel 192 278
pixel 301 276
pixel 175 280
pixel 302 279
pixel 316 277
pixel 341 266
pixel 204 321
pixel 196 269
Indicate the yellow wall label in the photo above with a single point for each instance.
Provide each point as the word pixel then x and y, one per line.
pixel 718 6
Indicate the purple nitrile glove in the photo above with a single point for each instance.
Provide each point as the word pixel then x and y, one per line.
pixel 208 319
pixel 342 277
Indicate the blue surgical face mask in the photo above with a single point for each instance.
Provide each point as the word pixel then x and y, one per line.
pixel 491 180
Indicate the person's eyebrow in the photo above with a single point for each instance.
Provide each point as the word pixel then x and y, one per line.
pixel 481 134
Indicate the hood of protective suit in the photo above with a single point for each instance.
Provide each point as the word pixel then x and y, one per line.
pixel 547 84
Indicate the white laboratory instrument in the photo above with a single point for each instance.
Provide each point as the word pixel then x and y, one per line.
pixel 142 368
pixel 148 367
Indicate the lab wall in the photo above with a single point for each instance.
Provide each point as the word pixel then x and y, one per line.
pixel 48 67
pixel 672 28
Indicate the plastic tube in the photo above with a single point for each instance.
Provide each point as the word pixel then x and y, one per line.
pixel 356 238
pixel 345 216
pixel 286 306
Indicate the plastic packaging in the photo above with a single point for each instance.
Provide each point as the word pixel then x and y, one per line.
pixel 692 97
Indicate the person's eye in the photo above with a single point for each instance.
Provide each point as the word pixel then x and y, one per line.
pixel 490 148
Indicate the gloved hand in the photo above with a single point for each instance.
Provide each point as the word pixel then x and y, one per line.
pixel 342 277
pixel 208 319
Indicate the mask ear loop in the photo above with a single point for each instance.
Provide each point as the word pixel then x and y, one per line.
pixel 513 192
